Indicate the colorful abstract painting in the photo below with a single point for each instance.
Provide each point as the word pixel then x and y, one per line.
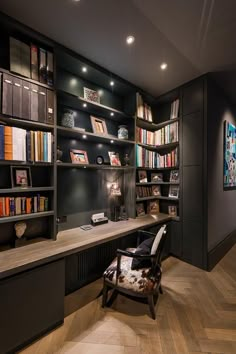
pixel 229 155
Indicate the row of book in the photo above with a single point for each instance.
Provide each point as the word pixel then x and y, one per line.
pixel 25 100
pixel 144 191
pixel 18 144
pixel 10 206
pixel 154 208
pixel 166 135
pixel 174 109
pixel 144 111
pixel 31 61
pixel 151 159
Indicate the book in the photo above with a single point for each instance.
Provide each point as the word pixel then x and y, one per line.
pixel 2 206
pixel 7 94
pixel 153 207
pixel 16 97
pixel 156 190
pixel 174 191
pixel 50 70
pixel 140 211
pixel 142 174
pixel 157 177
pixel 8 148
pixel 2 142
pixel 174 176
pixel 42 66
pixel 172 210
pixel 25 59
pixel 34 62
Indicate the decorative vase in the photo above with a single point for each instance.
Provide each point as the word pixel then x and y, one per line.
pixel 122 132
pixel 68 120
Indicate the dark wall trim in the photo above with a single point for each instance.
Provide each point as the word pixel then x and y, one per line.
pixel 217 253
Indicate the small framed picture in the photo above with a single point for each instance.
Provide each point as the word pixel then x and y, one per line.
pixel 21 177
pixel 114 158
pixel 153 207
pixel 79 157
pixel 98 125
pixel 140 209
pixel 172 210
pixel 91 95
pixel 142 175
pixel 157 177
pixel 156 190
pixel 174 176
pixel 174 191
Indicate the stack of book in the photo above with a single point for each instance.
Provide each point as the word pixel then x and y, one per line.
pixel 18 144
pixel 10 206
pixel 31 61
pixel 151 159
pixel 166 135
pixel 174 111
pixel 142 191
pixel 144 111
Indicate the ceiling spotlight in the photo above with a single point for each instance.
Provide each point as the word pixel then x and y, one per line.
pixel 84 136
pixel 84 69
pixel 84 104
pixel 112 141
pixel 130 40
pixel 112 114
pixel 163 66
pixel 112 83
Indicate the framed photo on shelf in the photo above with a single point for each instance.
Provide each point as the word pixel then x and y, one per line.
pixel 142 175
pixel 114 158
pixel 153 207
pixel 20 177
pixel 140 209
pixel 157 177
pixel 98 125
pixel 91 95
pixel 172 210
pixel 174 176
pixel 79 157
pixel 156 190
pixel 174 191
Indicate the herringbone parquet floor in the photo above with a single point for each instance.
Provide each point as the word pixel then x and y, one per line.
pixel 196 314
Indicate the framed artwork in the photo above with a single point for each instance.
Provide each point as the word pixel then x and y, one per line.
pixel 98 125
pixel 156 190
pixel 229 155
pixel 140 209
pixel 172 210
pixel 114 158
pixel 115 189
pixel 174 191
pixel 153 207
pixel 91 95
pixel 157 177
pixel 142 175
pixel 174 176
pixel 21 177
pixel 79 157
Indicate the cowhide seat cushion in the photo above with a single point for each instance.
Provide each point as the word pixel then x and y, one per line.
pixel 140 281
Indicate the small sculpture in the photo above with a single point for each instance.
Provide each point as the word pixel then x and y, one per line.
pixel 20 228
pixel 59 154
pixel 126 160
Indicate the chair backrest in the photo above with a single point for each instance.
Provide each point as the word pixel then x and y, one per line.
pixel 158 244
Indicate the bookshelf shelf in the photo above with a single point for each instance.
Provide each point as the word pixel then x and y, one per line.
pixel 93 166
pixel 155 183
pixel 91 137
pixel 142 123
pixel 8 120
pixel 26 163
pixel 156 197
pixel 79 103
pixel 26 216
pixel 160 147
pixel 25 190
pixel 158 169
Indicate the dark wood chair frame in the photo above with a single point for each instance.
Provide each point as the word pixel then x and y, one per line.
pixel 154 271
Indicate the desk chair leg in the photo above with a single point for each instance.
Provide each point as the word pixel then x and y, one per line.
pixel 151 306
pixel 112 298
pixel 104 295
pixel 160 289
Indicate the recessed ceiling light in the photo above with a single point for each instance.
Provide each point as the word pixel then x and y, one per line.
pixel 112 141
pixel 84 136
pixel 163 66
pixel 112 114
pixel 130 40
pixel 84 69
pixel 112 83
pixel 84 104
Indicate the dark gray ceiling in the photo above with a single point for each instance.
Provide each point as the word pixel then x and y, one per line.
pixel 192 36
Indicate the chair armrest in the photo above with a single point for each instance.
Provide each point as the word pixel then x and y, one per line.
pixel 143 232
pixel 133 255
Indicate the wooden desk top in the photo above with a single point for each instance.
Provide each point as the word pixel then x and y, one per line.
pixel 71 241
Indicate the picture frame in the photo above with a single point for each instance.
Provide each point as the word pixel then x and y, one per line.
pixel 142 175
pixel 156 190
pixel 153 207
pixel 174 191
pixel 20 177
pixel 114 158
pixel 91 95
pixel 172 210
pixel 229 155
pixel 174 176
pixel 157 177
pixel 140 211
pixel 79 157
pixel 98 125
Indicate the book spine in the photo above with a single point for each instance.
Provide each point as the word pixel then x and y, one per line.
pixel 23 205
pixel 2 142
pixel 7 206
pixel 28 205
pixel 12 206
pixel 42 66
pixel 50 70
pixel 8 148
pixel 34 62
pixel 2 206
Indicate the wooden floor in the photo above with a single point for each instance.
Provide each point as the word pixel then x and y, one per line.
pixel 196 314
